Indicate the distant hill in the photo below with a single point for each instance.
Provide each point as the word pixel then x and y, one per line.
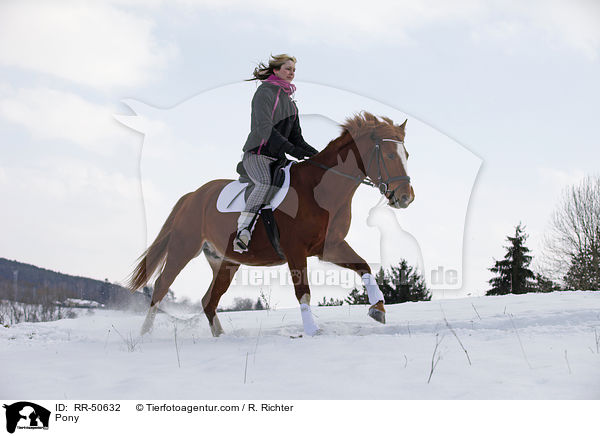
pixel 32 284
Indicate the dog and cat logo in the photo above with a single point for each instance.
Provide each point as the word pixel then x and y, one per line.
pixel 26 415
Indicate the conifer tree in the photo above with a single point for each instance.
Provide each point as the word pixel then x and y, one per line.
pixel 513 275
pixel 583 272
pixel 259 305
pixel 406 285
pixel 357 297
pixel 545 284
pixel 331 302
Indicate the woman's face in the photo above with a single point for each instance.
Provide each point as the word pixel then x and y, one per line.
pixel 287 71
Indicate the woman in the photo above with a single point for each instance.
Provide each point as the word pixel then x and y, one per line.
pixel 274 131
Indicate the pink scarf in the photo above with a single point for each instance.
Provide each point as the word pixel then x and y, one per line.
pixel 287 87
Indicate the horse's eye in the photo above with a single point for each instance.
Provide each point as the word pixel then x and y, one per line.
pixel 392 155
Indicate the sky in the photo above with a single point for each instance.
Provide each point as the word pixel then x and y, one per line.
pixel 513 84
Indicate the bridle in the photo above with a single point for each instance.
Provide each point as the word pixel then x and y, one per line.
pixel 379 182
pixel 383 185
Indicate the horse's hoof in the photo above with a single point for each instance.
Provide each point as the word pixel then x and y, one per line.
pixel 377 312
pixel 314 331
pixel 147 326
pixel 145 329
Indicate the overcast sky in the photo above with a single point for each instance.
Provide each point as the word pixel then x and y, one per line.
pixel 515 84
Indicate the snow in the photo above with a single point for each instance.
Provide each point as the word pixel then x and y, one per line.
pixel 533 346
pixel 77 302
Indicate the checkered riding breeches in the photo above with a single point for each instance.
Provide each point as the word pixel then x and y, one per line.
pixel 259 170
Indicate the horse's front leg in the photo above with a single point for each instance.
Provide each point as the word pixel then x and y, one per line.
pixel 343 255
pixel 297 265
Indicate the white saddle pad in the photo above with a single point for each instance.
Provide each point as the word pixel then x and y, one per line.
pixel 231 198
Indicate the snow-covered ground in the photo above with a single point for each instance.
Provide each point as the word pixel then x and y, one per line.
pixel 534 346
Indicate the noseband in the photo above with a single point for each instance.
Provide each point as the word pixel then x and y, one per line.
pixel 379 182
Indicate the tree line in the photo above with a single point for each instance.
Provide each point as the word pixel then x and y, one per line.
pixel 570 257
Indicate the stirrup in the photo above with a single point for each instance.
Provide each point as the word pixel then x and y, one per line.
pixel 241 241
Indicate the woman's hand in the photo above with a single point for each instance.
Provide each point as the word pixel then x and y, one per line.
pixel 297 152
pixel 310 151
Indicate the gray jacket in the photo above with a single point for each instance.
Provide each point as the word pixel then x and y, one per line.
pixel 274 125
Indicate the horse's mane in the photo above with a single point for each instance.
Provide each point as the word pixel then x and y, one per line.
pixel 365 122
pixel 361 124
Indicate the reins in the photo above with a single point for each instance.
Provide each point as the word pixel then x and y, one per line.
pixel 382 185
pixel 339 173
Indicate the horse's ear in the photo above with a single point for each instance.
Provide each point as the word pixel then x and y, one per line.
pixel 403 125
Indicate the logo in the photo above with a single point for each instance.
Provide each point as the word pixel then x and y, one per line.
pixel 25 415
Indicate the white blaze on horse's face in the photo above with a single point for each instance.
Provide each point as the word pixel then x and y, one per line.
pixel 399 190
pixel 404 192
pixel 403 156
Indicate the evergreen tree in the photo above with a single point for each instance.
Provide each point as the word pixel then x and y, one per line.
pixel 583 272
pixel 544 284
pixel 264 301
pixel 512 273
pixel 400 284
pixel 357 297
pixel 406 284
pixel 330 302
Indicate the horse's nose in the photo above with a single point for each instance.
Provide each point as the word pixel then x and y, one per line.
pixel 405 200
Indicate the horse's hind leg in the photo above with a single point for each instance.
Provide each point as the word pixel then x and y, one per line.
pixel 297 265
pixel 178 255
pixel 223 272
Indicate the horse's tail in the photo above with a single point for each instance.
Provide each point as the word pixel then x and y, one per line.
pixel 154 257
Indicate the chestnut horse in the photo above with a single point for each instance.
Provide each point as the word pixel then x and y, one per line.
pixel 313 220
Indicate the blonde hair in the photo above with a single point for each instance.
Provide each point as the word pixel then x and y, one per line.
pixel 263 71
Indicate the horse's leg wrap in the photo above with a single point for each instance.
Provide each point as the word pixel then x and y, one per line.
pixel 376 311
pixel 149 321
pixel 373 291
pixel 310 327
pixel 215 327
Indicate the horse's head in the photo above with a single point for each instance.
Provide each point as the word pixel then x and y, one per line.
pixel 381 145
